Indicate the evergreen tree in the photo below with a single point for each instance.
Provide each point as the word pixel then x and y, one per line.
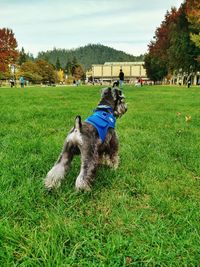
pixel 58 66
pixel 74 65
pixel 22 56
pixel 68 67
pixel 155 67
pixel 87 55
pixel 172 48
pixel 182 52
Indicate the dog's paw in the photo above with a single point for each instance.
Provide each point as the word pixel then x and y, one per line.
pixel 110 162
pixel 51 184
pixel 82 185
pixel 54 177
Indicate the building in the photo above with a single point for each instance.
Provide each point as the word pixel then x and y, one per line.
pixel 182 78
pixel 109 71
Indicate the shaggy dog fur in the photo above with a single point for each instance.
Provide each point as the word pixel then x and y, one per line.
pixel 84 139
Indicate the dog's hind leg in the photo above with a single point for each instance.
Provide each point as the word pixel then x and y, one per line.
pixel 73 141
pixel 57 173
pixel 89 162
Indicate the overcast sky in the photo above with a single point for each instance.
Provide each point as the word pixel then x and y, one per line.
pixel 126 25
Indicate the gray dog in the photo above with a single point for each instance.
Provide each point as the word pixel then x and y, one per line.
pixel 95 139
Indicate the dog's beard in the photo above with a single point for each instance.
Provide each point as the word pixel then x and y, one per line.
pixel 121 109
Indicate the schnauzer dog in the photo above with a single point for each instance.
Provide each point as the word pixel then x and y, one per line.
pixel 95 139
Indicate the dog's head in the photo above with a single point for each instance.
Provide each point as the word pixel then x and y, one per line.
pixel 116 84
pixel 114 98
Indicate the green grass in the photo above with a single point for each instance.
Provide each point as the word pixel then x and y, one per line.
pixel 147 213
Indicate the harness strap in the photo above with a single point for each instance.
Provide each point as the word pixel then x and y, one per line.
pixel 104 108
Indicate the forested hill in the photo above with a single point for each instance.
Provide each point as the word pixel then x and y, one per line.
pixel 87 55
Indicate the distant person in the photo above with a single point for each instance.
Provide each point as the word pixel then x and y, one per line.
pixel 21 80
pixel 189 84
pixel 12 83
pixel 121 79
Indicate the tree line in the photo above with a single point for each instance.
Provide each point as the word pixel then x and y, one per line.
pixel 57 65
pixel 87 55
pixel 15 63
pixel 176 45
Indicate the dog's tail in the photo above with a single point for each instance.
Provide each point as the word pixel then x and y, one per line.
pixel 78 123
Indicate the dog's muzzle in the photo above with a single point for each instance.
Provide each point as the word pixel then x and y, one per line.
pixel 121 109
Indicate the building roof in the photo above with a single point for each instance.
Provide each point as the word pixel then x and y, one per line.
pixel 124 63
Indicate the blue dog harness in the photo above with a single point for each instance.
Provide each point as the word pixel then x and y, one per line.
pixel 102 120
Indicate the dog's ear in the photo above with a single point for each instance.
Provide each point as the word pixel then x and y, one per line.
pixel 115 93
pixel 105 92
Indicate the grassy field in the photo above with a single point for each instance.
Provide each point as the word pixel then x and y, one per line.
pixel 147 213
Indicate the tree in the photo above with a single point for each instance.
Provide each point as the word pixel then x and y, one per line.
pixel 155 68
pixel 60 75
pixel 58 66
pixel 193 16
pixel 8 46
pixel 30 71
pixel 78 72
pixel 22 56
pixel 87 55
pixel 46 70
pixel 156 61
pixel 68 67
pixel 182 52
pixel 74 65
pixel 172 48
pixel 30 66
pixel 161 41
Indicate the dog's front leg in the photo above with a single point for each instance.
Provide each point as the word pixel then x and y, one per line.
pixel 114 150
pixel 89 162
pixel 57 173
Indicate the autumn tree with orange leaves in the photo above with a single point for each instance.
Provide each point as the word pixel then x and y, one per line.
pixel 175 47
pixel 8 49
pixel 156 61
pixel 193 16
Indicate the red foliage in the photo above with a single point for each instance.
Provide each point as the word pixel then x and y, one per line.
pixel 8 45
pixel 162 35
pixel 193 12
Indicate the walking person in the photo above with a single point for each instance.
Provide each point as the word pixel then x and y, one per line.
pixel 12 82
pixel 121 79
pixel 189 84
pixel 21 80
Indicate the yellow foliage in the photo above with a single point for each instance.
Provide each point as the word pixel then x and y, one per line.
pixel 60 75
pixel 196 39
pixel 70 79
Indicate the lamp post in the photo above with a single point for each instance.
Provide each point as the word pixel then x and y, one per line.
pixel 66 75
pixel 12 69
